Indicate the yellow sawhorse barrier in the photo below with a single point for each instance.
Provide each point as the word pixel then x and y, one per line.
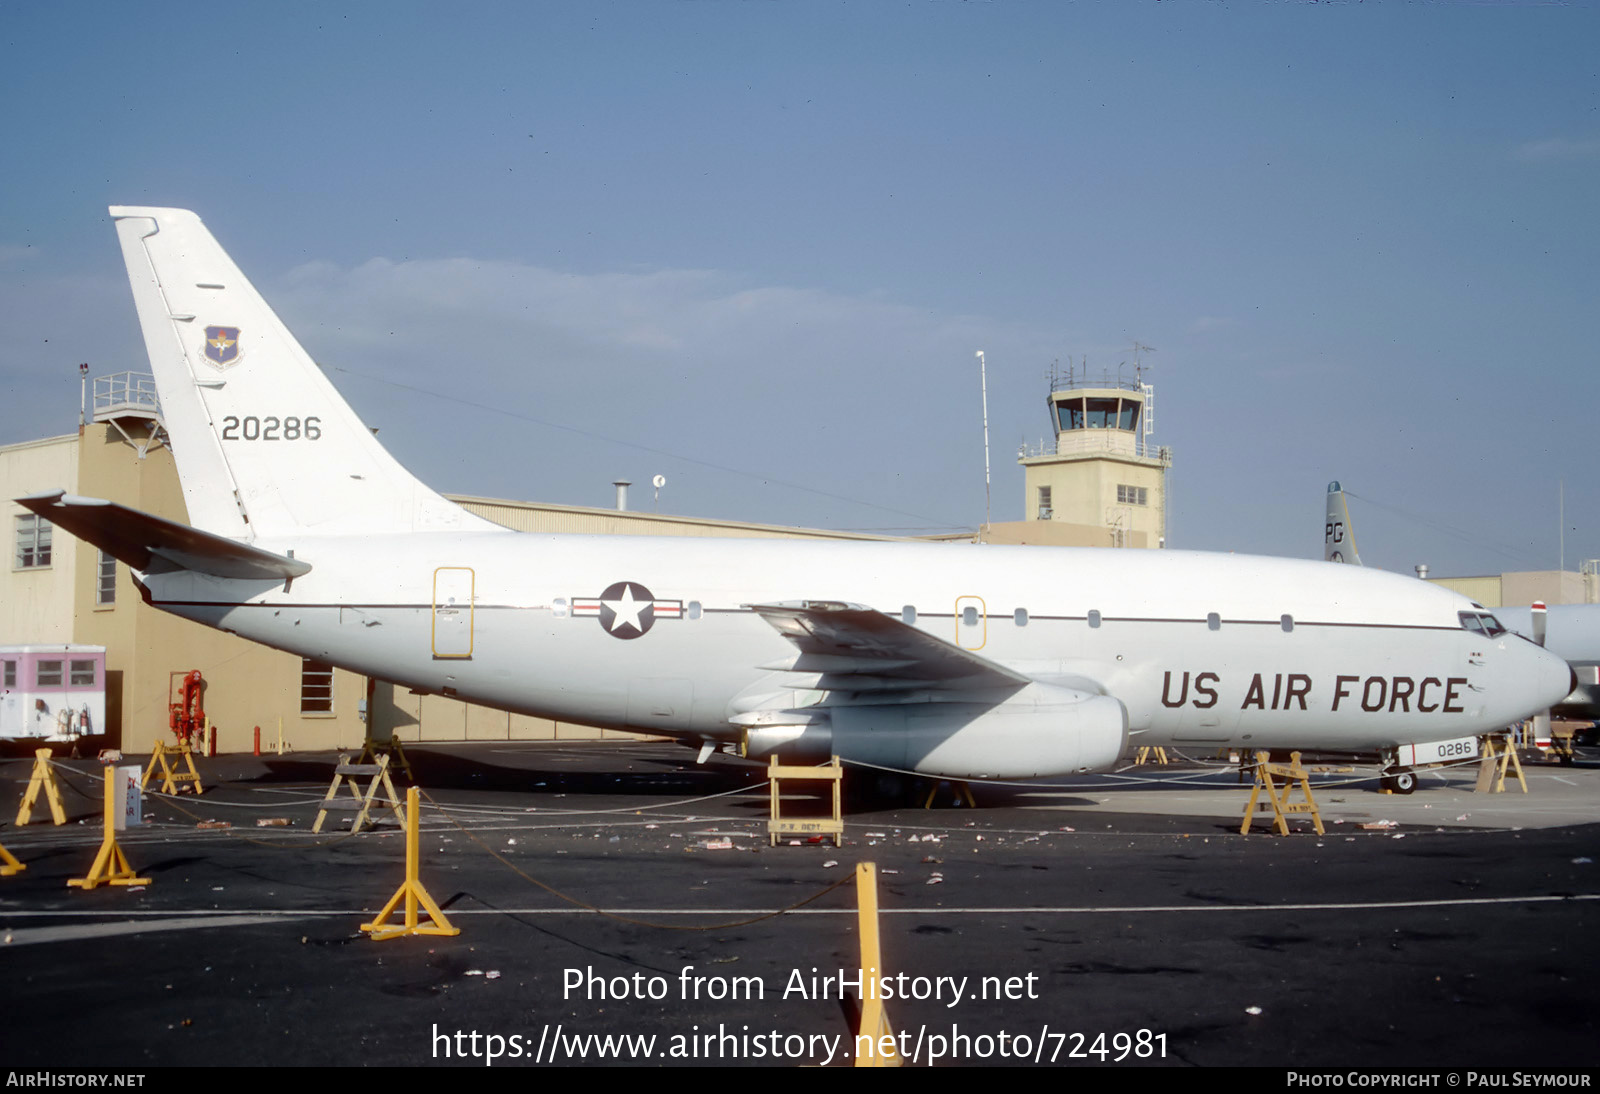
pixel 9 864
pixel 874 1033
pixel 44 779
pixel 110 865
pixel 173 781
pixel 1150 754
pixel 959 787
pixel 411 890
pixel 1278 797
pixel 373 747
pixel 1499 755
pixel 813 826
pixel 362 804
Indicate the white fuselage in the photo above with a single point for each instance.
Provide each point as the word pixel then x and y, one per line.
pixel 1200 649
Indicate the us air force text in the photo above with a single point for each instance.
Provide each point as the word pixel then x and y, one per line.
pixel 1289 691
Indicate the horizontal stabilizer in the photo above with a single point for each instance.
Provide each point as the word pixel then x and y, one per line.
pixel 154 545
pixel 865 650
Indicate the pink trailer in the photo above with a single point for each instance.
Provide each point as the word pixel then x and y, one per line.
pixel 52 693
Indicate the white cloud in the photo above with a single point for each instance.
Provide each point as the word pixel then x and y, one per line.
pixel 834 390
pixel 1559 148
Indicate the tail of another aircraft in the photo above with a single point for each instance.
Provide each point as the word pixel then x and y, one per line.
pixel 265 446
pixel 1338 539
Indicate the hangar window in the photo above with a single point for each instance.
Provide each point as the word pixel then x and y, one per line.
pixel 1287 623
pixel 908 615
pixel 316 687
pixel 694 609
pixel 33 542
pixel 1214 621
pixel 1020 617
pixel 49 674
pixel 1094 619
pixel 105 591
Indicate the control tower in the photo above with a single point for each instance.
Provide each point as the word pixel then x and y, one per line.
pixel 1102 471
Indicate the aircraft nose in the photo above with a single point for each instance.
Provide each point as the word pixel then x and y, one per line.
pixel 1552 678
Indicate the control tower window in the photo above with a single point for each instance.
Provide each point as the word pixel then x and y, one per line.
pixel 1102 413
pixel 1129 418
pixel 1070 414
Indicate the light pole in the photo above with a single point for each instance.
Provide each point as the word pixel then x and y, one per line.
pixel 983 372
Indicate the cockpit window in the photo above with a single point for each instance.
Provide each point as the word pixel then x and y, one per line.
pixel 1492 626
pixel 1470 621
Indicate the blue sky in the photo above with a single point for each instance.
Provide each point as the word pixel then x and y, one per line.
pixel 754 247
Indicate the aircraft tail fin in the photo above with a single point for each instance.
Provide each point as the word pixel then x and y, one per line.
pixel 1338 538
pixel 265 445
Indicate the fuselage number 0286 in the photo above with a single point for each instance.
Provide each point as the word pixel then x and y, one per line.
pixel 271 429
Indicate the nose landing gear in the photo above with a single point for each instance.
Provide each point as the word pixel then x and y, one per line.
pixel 1398 780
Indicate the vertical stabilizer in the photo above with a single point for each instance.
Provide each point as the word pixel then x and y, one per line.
pixel 1338 540
pixel 265 445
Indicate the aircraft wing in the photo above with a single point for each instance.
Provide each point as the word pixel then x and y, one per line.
pixel 154 545
pixel 859 649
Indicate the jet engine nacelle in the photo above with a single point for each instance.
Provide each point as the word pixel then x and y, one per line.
pixel 1041 730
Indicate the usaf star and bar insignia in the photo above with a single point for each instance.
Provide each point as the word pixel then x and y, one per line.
pixel 626 609
pixel 222 346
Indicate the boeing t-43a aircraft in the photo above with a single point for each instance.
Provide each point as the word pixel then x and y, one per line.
pixel 962 661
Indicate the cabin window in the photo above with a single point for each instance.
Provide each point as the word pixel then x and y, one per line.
pixel 1020 617
pixel 558 607
pixel 33 542
pixel 969 616
pixel 694 609
pixel 1287 623
pixel 908 615
pixel 105 590
pixel 49 674
pixel 81 674
pixel 1094 619
pixel 1214 621
pixel 316 687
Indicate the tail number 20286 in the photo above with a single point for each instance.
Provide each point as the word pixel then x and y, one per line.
pixel 271 429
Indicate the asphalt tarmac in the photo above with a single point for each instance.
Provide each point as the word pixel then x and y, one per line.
pixel 1108 920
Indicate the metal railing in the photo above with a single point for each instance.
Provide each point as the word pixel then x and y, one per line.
pixel 125 394
pixel 1088 442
